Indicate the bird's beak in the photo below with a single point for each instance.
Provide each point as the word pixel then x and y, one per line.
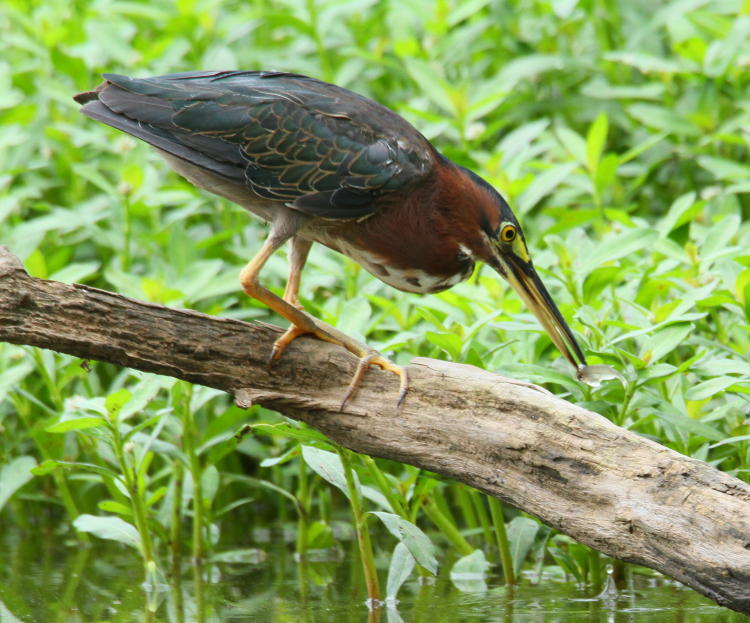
pixel 525 280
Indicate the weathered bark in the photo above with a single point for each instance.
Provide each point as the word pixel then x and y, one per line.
pixel 605 486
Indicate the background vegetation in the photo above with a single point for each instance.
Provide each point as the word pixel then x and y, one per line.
pixel 618 131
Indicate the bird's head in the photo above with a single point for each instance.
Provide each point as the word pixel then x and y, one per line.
pixel 499 241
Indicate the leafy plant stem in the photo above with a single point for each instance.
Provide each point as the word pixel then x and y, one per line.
pixel 360 525
pixel 58 476
pixel 198 516
pixel 137 504
pixel 303 497
pixel 448 528
pixel 182 394
pixel 52 388
pixel 467 509
pixel 380 480
pixel 503 545
pixel 176 518
pixel 623 410
pixel 481 512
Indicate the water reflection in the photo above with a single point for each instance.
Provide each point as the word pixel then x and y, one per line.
pixel 48 579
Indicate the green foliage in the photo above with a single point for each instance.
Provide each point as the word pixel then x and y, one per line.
pixel 617 130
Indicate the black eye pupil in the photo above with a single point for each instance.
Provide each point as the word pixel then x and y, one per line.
pixel 509 234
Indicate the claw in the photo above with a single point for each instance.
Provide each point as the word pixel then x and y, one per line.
pixel 279 346
pixel 389 366
pixel 374 358
pixel 367 357
pixel 359 373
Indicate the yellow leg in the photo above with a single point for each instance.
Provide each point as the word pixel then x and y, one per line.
pixel 302 323
pixel 297 259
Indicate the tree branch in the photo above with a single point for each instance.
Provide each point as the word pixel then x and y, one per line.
pixel 605 486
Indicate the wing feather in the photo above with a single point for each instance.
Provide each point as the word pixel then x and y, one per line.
pixel 322 149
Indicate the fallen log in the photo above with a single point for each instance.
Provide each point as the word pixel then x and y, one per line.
pixel 605 486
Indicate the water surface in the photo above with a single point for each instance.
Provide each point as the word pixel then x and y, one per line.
pixel 52 578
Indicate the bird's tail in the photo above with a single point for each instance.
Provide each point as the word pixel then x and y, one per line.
pixel 89 96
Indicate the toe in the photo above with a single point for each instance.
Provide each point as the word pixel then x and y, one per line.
pixel 374 358
pixel 280 345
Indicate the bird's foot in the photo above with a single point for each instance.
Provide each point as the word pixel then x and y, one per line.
pixel 374 358
pixel 367 355
pixel 279 346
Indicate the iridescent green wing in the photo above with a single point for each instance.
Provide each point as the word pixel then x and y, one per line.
pixel 317 147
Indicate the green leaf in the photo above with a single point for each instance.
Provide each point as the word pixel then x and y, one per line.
pixel 286 429
pixel 111 506
pixel 375 496
pixel 613 248
pixel 710 388
pixel 666 340
pixel 599 279
pixel 650 142
pixel 687 424
pixel 263 484
pixel 156 495
pixel 716 243
pixel 210 483
pixel 573 143
pixel 416 541
pixel 247 556
pixel 605 175
pixel 46 467
pixel 730 440
pixel 320 535
pixel 75 423
pixel 679 212
pixel 530 66
pixel 75 272
pixel 541 374
pixel 720 366
pixel 600 89
pixel 400 568
pixel 36 265
pixel 116 401
pixel 51 465
pixel 92 173
pixel 11 378
pixel 433 85
pixel 112 528
pixel 281 459
pixel 646 63
pixel 15 475
pixel 144 392
pixel 521 534
pixel 544 184
pixel 355 314
pixel 450 343
pixel 595 141
pixel 721 55
pixel 664 119
pixel 327 465
pixel 468 574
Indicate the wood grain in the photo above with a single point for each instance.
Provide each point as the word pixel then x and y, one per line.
pixel 603 485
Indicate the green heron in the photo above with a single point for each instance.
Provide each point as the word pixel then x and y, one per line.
pixel 323 164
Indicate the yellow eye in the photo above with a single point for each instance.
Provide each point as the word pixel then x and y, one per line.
pixel 508 233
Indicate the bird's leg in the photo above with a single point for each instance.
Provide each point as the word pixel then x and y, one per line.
pixel 302 322
pixel 297 258
pixel 251 284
